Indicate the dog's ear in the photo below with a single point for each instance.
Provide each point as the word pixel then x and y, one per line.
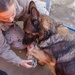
pixel 31 4
pixel 34 14
pixel 35 17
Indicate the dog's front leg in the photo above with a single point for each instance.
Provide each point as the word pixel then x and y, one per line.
pixel 51 64
pixel 45 59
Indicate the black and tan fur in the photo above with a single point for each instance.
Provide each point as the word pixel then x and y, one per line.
pixel 53 40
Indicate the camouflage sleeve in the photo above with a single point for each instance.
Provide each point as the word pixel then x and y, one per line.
pixel 6 52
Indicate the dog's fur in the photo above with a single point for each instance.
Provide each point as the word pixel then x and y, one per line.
pixel 53 39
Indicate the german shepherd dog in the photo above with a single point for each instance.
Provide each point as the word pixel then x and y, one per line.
pixel 56 42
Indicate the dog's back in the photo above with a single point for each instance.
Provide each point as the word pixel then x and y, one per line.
pixel 62 45
pixel 65 53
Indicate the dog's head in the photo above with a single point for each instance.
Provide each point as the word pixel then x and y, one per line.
pixel 37 27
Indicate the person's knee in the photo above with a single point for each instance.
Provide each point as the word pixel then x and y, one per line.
pixel 14 37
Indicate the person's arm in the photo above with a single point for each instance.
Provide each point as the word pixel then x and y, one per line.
pixel 9 55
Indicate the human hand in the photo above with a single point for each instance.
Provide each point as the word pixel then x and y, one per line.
pixel 25 63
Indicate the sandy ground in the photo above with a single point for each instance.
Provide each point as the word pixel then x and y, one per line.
pixel 14 70
pixel 59 12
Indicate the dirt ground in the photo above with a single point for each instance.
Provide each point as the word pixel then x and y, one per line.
pixel 61 13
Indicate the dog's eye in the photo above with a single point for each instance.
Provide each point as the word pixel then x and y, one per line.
pixel 27 33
